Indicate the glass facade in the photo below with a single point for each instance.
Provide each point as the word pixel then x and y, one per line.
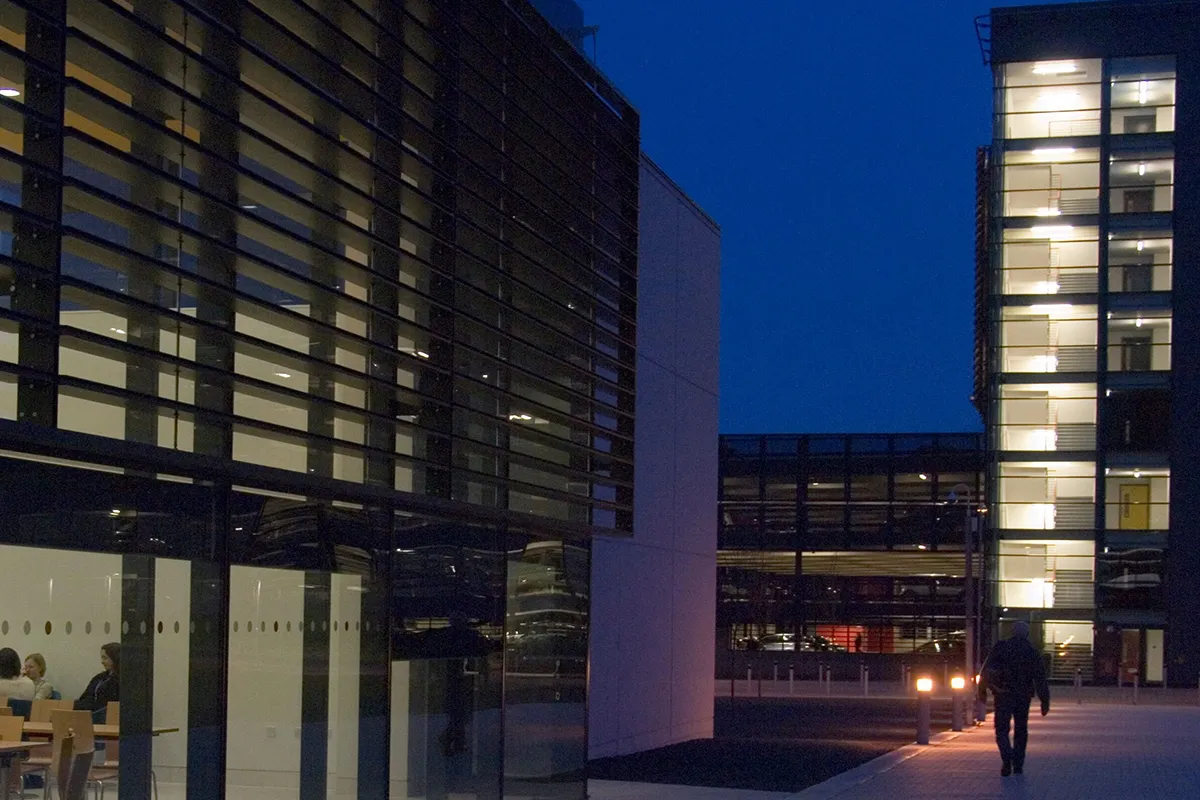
pixel 1078 250
pixel 845 542
pixel 317 328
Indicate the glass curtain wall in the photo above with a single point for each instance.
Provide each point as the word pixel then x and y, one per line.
pixel 851 543
pixel 1082 192
pixel 358 242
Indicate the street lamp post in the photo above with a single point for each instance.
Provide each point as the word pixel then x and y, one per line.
pixel 971 668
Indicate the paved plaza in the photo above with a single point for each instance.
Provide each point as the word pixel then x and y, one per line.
pixel 1080 751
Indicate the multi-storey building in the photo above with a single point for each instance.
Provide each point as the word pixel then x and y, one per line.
pixel 1088 364
pixel 846 542
pixel 317 330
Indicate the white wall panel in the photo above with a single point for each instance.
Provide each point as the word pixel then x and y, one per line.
pixel 654 595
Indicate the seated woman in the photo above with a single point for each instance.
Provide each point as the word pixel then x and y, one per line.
pixel 12 683
pixel 105 686
pixel 35 670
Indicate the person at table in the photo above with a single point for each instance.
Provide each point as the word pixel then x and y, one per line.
pixel 104 688
pixel 35 670
pixel 12 683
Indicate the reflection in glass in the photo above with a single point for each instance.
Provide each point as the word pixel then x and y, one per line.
pixel 545 692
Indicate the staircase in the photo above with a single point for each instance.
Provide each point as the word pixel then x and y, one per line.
pixel 1064 659
pixel 1074 513
pixel 1075 436
pixel 1073 588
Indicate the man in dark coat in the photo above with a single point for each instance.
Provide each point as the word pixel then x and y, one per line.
pixel 1014 672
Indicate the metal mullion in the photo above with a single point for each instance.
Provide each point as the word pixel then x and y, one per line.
pixel 266 100
pixel 253 176
pixel 75 133
pixel 570 260
pixel 208 109
pixel 525 371
pixel 228 417
pixel 317 14
pixel 240 254
pixel 586 168
pixel 549 439
pixel 191 322
pixel 537 489
pixel 596 77
pixel 591 350
pixel 550 412
pixel 570 178
pixel 535 461
pixel 84 335
pixel 554 277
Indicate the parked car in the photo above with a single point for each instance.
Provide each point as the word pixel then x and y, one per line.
pixel 944 647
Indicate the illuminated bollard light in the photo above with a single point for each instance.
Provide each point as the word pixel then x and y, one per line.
pixel 957 684
pixel 924 690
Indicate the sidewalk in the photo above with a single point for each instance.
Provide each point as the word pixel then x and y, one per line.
pixel 1086 752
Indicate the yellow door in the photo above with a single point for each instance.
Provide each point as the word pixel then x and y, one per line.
pixel 1135 506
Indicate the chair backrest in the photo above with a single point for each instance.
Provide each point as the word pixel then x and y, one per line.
pixel 75 785
pixel 40 709
pixel 62 774
pixel 20 708
pixel 11 729
pixel 67 723
pixel 112 715
pixel 6 711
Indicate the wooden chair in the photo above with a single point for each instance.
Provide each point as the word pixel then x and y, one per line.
pixel 11 730
pixel 72 771
pixel 41 709
pixel 107 772
pixel 41 759
pixel 78 725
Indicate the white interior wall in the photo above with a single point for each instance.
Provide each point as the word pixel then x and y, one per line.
pixel 265 670
pixel 69 590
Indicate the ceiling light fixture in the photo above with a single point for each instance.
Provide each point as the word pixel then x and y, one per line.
pixel 1143 92
pixel 1053 152
pixel 283 374
pixel 1138 322
pixel 1141 169
pixel 1051 231
pixel 1141 245
pixel 923 476
pixel 1048 212
pixel 117 330
pixel 1055 68
pixel 8 91
pixel 921 547
pixel 422 354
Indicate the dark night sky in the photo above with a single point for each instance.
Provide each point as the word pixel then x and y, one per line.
pixel 835 144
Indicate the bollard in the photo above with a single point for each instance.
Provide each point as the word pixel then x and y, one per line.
pixel 775 675
pixel 760 684
pixel 866 682
pixel 828 679
pixel 749 677
pixel 957 685
pixel 924 689
pixel 791 679
pixel 732 681
pixel 1135 688
pixel 1078 686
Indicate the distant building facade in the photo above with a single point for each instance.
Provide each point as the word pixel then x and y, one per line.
pixel 1088 335
pixel 846 542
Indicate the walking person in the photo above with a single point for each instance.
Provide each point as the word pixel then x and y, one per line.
pixel 1015 673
